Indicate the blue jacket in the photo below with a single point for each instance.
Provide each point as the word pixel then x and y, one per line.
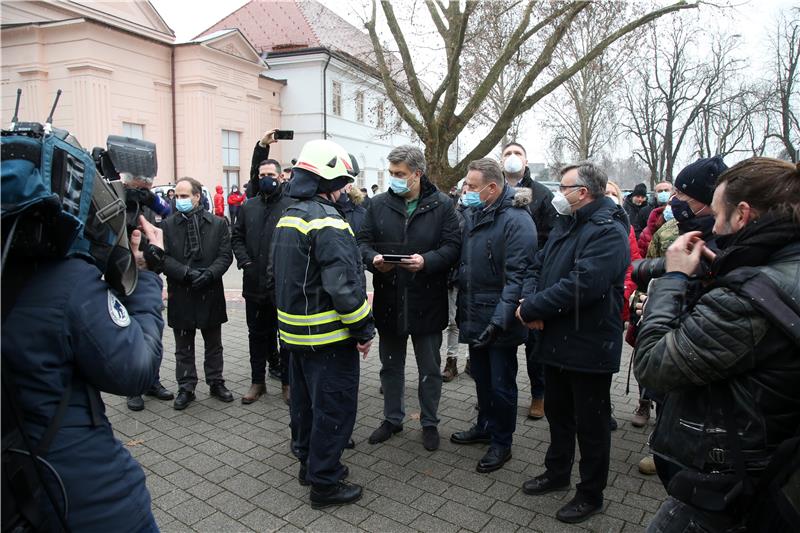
pixel 498 247
pixel 577 289
pixel 68 329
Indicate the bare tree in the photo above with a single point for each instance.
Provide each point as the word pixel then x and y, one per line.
pixel 439 115
pixel 785 77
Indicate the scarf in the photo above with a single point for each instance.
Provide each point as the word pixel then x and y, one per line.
pixel 193 248
pixel 754 244
pixel 702 224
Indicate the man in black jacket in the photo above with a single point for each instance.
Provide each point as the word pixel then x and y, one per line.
pixel 250 240
pixel 577 283
pixel 637 208
pixel 198 253
pixel 517 173
pixel 415 219
pixel 499 242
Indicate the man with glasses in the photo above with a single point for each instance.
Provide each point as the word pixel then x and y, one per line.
pixel 576 305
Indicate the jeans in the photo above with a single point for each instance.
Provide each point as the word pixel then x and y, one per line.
pixel 494 370
pixel 535 369
pixel 185 370
pixel 578 403
pixel 262 335
pixel 452 327
pixel 674 516
pixel 233 212
pixel 324 400
pixel 392 351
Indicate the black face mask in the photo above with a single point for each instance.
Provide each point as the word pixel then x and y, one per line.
pixel 268 186
pixel 681 210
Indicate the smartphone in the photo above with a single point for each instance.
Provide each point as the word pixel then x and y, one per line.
pixel 284 135
pixel 393 258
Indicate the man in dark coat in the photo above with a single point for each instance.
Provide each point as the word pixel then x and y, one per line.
pixel 517 173
pixel 499 242
pixel 198 249
pixel 637 208
pixel 413 218
pixel 578 282
pixel 250 240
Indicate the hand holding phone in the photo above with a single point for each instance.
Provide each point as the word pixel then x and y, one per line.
pixel 281 135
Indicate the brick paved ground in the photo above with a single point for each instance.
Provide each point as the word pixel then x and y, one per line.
pixel 227 467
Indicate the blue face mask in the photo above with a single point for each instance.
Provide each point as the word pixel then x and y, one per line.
pixel 473 198
pixel 663 197
pixel 668 213
pixel 398 185
pixel 184 205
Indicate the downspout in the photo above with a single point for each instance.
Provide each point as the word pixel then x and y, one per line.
pixel 325 97
pixel 174 131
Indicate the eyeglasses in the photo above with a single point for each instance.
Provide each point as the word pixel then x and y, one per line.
pixel 562 188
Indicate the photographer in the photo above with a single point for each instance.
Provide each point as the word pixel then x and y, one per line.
pixel 729 361
pixel 66 337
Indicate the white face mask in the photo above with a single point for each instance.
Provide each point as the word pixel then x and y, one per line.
pixel 561 204
pixel 614 199
pixel 513 164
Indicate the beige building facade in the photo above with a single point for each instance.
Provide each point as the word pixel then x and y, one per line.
pixel 204 103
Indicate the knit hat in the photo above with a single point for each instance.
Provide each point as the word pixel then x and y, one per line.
pixel 699 179
pixel 639 190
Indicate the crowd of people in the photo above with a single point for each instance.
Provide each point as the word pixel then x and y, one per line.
pixel 504 263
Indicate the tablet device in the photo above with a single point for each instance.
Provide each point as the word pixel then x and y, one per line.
pixel 394 258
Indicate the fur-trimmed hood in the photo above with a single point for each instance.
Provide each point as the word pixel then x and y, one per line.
pixel 523 196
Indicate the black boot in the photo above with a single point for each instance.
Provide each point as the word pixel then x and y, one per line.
pixel 159 391
pixel 135 403
pixel 339 494
pixel 221 392
pixel 185 397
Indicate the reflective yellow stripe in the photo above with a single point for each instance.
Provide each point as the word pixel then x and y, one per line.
pixel 355 316
pixel 305 227
pixel 308 320
pixel 314 340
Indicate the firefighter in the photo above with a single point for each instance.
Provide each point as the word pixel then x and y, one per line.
pixel 324 319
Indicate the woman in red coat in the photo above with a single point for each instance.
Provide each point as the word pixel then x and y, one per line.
pixel 615 193
pixel 219 202
pixel 235 201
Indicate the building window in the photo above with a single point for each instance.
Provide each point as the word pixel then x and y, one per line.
pixel 230 149
pixel 381 187
pixel 360 106
pixel 231 178
pixel 131 129
pixel 336 95
pixel 380 118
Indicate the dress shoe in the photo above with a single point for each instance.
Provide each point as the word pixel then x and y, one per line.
pixel 647 466
pixel 450 370
pixel 577 510
pixel 286 394
pixel 184 398
pixel 471 436
pixel 341 493
pixel 430 438
pixel 301 475
pixel 159 391
pixel 221 392
pixel 494 459
pixel 254 393
pixel 135 403
pixel 542 485
pixel 642 414
pixel 536 410
pixel 384 431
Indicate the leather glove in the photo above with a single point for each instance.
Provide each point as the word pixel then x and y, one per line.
pixel 155 258
pixel 203 280
pixel 191 275
pixel 487 337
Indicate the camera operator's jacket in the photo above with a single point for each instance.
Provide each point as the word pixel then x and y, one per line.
pixel 316 277
pixel 723 340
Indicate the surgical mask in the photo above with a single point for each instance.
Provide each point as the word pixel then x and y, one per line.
pixel 184 205
pixel 668 213
pixel 473 198
pixel 663 197
pixel 561 204
pixel 614 199
pixel 267 185
pixel 513 164
pixel 398 185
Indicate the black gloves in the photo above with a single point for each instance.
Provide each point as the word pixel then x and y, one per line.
pixel 203 280
pixel 487 337
pixel 155 258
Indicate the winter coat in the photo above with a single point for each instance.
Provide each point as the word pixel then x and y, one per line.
pixel 498 247
pixel 354 211
pixel 654 221
pixel 251 238
pixel 630 285
pixel 189 308
pixel 411 302
pixel 260 153
pixel 68 329
pixel 637 214
pixel 219 202
pixel 723 340
pixel 540 206
pixel 235 199
pixel 316 276
pixel 662 239
pixel 577 289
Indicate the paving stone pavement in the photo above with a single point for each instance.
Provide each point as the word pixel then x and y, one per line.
pixel 227 467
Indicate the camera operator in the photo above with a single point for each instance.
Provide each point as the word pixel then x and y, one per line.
pixel 66 337
pixel 729 361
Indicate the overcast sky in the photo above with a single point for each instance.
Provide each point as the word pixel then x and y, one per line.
pixel 751 19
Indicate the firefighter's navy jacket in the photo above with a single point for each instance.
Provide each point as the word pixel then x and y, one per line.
pixel 316 272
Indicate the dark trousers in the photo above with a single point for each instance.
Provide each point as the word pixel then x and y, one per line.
pixel 675 516
pixel 233 212
pixel 535 369
pixel 262 334
pixel 185 370
pixel 494 370
pixel 578 403
pixel 323 410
